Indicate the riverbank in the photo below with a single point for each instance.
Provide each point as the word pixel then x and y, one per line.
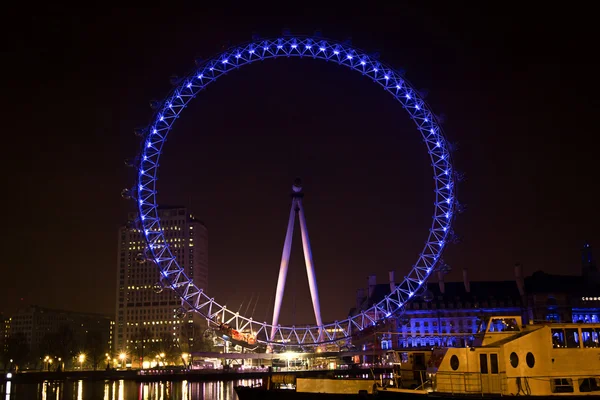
pixel 167 375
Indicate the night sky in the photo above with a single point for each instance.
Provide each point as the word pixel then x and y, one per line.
pixel 517 88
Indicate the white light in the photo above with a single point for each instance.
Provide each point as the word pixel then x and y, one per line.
pixel 280 46
pixel 363 63
pixel 322 48
pixel 386 77
pixel 408 96
pixel 308 47
pixel 445 228
pixel 397 86
pixel 437 144
pixel 145 158
pixel 432 131
pixel 211 69
pixel 336 52
pixel 238 55
pixel 225 61
pixel 162 118
pixel 8 376
pixel 294 46
pixel 410 294
pixel 417 107
pixel 375 70
pixel 447 186
pixel 349 57
pixel 169 105
pixel 140 187
pixel 265 48
pixel 426 120
pixel 154 131
pixel 251 51
pixel 446 172
pixel 447 215
pixel 200 76
pixel 149 145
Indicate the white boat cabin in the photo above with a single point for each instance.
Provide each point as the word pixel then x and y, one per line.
pixel 508 358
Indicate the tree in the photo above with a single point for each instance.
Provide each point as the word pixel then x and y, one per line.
pixel 95 347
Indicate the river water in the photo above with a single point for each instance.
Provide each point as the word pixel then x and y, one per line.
pixel 122 390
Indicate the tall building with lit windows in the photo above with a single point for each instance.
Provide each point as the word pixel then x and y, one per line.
pixel 146 322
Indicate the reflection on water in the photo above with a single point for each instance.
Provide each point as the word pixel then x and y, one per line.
pixel 122 390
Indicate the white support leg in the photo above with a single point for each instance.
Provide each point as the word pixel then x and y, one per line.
pixel 310 268
pixel 283 268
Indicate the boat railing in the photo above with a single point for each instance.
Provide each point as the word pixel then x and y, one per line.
pixel 499 383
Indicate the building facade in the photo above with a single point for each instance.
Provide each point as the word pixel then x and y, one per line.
pixel 444 314
pixel 45 330
pixel 147 320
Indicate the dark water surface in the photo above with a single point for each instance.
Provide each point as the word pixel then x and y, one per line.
pixel 122 390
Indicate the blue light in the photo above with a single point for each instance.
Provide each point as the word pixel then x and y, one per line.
pixel 444 200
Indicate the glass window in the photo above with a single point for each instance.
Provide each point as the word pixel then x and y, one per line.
pixel 504 325
pixel 494 363
pixel 558 338
pixel 572 336
pixel 561 385
pixel 483 365
pixel 589 384
pixel 589 337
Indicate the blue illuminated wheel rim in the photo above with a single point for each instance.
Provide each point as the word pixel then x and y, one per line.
pixel 193 298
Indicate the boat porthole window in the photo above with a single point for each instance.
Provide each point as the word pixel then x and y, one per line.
pixel 454 362
pixel 514 359
pixel 530 360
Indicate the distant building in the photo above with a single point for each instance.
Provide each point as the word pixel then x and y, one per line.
pixel 565 298
pixel 449 313
pixel 445 314
pixel 146 316
pixel 4 335
pixel 35 323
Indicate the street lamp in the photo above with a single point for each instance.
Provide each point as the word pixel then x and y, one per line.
pixel 122 357
pixel 81 360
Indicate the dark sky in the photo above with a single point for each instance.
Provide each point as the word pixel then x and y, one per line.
pixel 517 86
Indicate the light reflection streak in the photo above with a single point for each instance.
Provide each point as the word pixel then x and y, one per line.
pixel 80 390
pixel 121 390
pixel 8 384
